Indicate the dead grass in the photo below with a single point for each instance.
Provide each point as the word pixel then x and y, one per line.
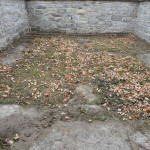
pixel 113 44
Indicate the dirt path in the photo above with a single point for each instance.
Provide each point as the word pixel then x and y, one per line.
pixel 38 131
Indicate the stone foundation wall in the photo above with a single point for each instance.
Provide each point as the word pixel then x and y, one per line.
pixel 143 21
pixel 13 21
pixel 73 17
pixel 82 16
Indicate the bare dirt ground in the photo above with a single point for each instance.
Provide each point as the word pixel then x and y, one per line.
pixel 62 95
pixel 73 127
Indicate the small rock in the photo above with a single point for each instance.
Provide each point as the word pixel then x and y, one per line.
pixel 86 92
pixel 89 120
pixel 8 110
pixel 145 58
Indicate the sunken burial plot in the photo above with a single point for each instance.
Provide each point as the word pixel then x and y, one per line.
pixel 53 65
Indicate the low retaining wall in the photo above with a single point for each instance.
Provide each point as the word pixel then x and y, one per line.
pixel 13 21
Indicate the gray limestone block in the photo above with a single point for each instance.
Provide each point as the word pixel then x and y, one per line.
pixel 116 18
pixel 39 12
pixel 102 18
pixel 56 14
pixel 81 11
pixel 127 19
pixel 108 23
pixel 93 21
pixel 41 7
pixel 83 25
pixel 71 25
pixel 86 4
pixel 61 11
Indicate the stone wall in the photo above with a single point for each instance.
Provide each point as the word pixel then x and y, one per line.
pixel 73 17
pixel 82 16
pixel 13 20
pixel 143 21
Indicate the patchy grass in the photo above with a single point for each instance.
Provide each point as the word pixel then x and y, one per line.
pixel 111 43
pixel 53 66
pixel 106 95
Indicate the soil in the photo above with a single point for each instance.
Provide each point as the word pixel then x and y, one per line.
pixel 70 127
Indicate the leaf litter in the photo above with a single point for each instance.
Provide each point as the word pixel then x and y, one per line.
pixel 52 68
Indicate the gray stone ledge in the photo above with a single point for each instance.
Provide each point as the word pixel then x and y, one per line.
pixel 95 0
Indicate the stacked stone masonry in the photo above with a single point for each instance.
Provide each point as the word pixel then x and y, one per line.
pixel 13 21
pixel 81 17
pixel 142 28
